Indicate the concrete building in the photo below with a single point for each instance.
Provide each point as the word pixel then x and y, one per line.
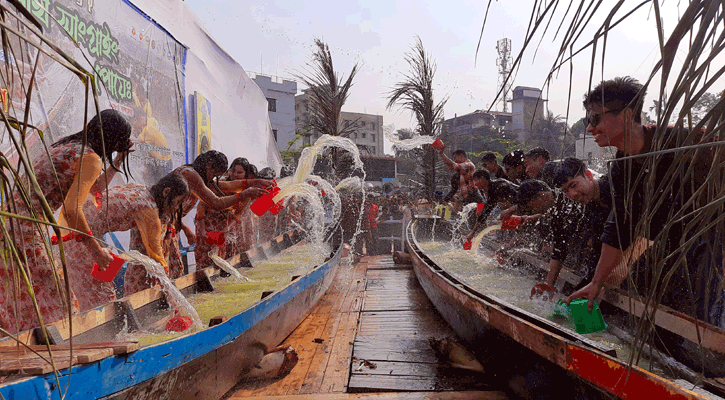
pixel 366 129
pixel 458 131
pixel 527 106
pixel 280 94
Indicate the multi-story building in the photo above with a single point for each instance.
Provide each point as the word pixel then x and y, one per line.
pixel 458 132
pixel 366 130
pixel 527 106
pixel 280 94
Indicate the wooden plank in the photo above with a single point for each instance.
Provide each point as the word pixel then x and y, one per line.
pixel 331 334
pixel 34 365
pixel 338 367
pixel 116 347
pixel 467 395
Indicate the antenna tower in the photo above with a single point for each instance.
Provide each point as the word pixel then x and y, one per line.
pixel 503 62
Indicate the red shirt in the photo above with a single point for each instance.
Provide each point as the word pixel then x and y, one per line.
pixel 373 216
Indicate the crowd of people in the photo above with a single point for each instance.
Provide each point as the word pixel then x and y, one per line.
pixel 74 178
pixel 559 205
pixel 634 225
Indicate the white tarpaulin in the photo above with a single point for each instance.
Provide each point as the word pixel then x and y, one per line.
pixel 239 120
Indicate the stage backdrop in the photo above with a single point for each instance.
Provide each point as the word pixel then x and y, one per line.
pixel 139 69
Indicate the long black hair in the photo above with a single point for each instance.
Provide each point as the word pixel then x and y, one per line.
pixel 178 187
pixel 115 137
pixel 240 161
pixel 218 162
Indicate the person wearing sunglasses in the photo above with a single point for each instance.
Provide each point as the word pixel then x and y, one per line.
pixel 658 195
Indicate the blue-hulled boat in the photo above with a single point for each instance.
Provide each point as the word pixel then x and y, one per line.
pixel 201 365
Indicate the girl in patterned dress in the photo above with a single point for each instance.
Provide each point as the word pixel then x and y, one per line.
pixel 200 177
pixel 64 175
pixel 147 211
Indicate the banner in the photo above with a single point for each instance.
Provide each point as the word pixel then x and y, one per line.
pixel 139 70
pixel 203 123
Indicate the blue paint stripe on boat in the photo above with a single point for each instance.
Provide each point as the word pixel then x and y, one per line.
pixel 114 374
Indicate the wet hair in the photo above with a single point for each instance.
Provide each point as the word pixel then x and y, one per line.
pixel 239 161
pixel 538 152
pixel 267 173
pixel 617 94
pixel 251 171
pixel 528 190
pixel 459 153
pixel 115 137
pixel 488 156
pixel 178 187
pixel 569 168
pixel 482 173
pixel 501 189
pixel 287 170
pixel 514 159
pixel 217 160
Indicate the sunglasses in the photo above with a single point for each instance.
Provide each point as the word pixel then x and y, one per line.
pixel 595 119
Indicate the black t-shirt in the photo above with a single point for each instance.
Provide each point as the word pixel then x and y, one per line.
pixel 651 190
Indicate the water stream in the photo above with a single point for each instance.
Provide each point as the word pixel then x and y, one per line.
pixel 176 300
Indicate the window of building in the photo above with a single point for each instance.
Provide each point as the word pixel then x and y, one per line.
pixel 364 135
pixel 274 132
pixel 373 150
pixel 347 123
pixel 355 135
pixel 372 136
pixel 271 104
pixel 373 125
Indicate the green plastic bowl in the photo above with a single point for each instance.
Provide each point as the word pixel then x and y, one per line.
pixel 585 321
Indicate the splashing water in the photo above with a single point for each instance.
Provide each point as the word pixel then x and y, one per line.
pixel 224 265
pixel 330 194
pixel 462 222
pixel 477 240
pixel 309 155
pixel 353 182
pixel 175 299
pixel 312 195
pixel 409 144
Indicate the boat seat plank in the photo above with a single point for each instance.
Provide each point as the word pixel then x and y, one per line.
pixel 33 365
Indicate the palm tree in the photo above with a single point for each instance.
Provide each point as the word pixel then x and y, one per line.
pixel 326 92
pixel 415 94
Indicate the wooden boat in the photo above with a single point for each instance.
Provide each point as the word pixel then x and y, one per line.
pixel 201 365
pixel 510 339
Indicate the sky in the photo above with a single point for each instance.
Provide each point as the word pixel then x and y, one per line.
pixel 275 38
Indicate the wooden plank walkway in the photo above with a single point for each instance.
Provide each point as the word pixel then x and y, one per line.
pixel 374 311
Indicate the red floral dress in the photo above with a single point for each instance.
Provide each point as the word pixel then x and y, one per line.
pixel 171 242
pixel 209 220
pixel 125 207
pixel 54 175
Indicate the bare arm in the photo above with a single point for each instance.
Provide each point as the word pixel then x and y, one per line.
pixel 450 163
pixel 203 193
pixel 608 261
pixel 241 184
pixel 554 270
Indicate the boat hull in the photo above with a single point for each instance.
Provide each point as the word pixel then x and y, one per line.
pixel 512 340
pixel 203 365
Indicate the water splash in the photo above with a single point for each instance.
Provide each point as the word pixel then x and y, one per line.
pixel 309 156
pixel 224 265
pixel 175 299
pixel 460 225
pixel 477 240
pixel 330 194
pixel 409 144
pixel 353 182
pixel 312 195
